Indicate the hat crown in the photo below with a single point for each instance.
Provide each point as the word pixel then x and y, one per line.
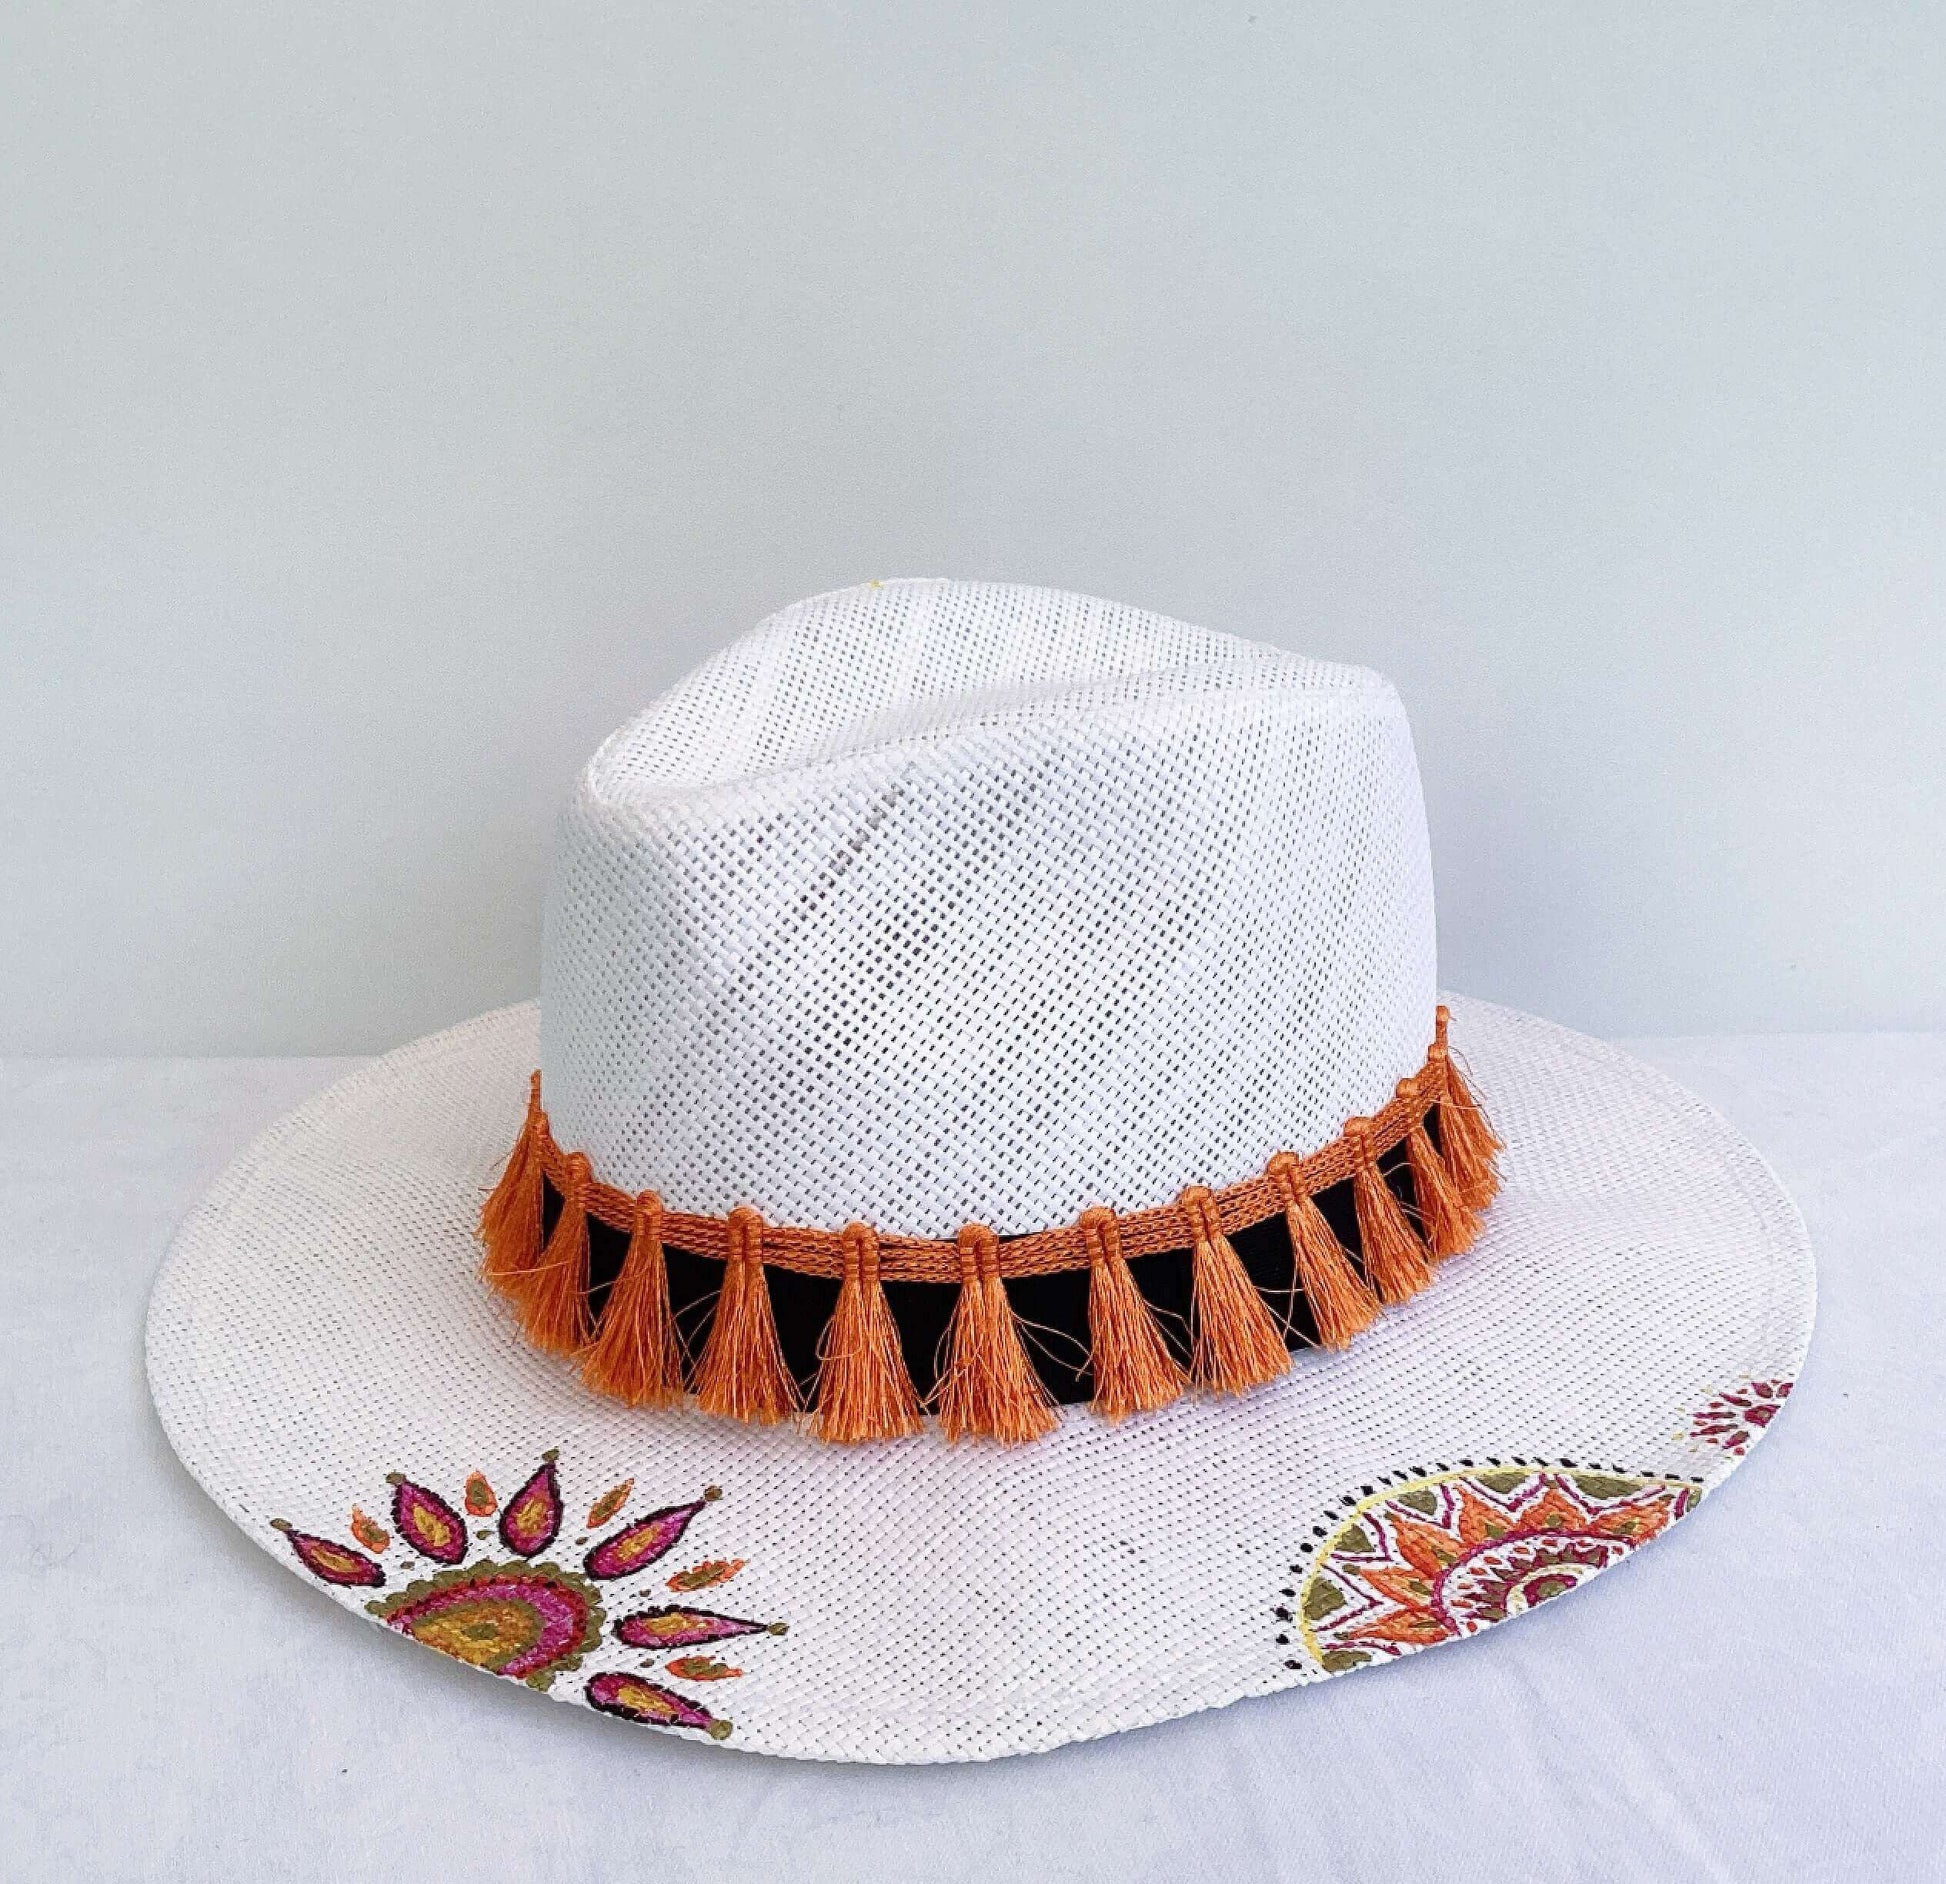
pixel 928 903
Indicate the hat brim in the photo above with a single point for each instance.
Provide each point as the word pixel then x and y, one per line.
pixel 1632 1316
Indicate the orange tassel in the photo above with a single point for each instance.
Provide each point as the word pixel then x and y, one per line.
pixel 554 1293
pixel 1134 1372
pixel 1395 1259
pixel 864 1391
pixel 742 1372
pixel 1342 1306
pixel 1468 1143
pixel 510 1219
pixel 990 1388
pixel 1446 1225
pixel 636 1355
pixel 1235 1342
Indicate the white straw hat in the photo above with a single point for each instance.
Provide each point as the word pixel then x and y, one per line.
pixel 987 1239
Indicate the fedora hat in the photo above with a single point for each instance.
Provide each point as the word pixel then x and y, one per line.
pixel 991 1234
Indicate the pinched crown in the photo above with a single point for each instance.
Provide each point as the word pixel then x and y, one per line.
pixel 928 903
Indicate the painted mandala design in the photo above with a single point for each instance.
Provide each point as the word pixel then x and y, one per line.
pixel 1429 1559
pixel 512 1613
pixel 1732 1420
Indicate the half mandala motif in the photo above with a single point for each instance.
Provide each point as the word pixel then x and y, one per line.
pixel 528 1622
pixel 1431 1558
pixel 506 1613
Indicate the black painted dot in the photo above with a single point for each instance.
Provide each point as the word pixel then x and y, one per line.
pixel 1290 1664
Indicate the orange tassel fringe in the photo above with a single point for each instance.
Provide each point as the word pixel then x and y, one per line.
pixel 636 1355
pixel 1446 1225
pixel 864 1390
pixel 1395 1259
pixel 553 1295
pixel 990 1388
pixel 1134 1372
pixel 1468 1143
pixel 742 1372
pixel 1342 1307
pixel 510 1220
pixel 1235 1341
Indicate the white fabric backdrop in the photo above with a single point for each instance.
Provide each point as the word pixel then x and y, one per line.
pixel 1757 1696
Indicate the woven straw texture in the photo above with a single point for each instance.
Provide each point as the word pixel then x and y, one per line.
pixel 1633 1314
pixel 936 902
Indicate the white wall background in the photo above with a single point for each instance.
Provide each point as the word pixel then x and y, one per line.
pixel 393 397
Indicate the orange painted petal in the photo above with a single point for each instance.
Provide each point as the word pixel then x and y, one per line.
pixel 1413 1626
pixel 701 1576
pixel 1425 1547
pixel 1554 1510
pixel 1637 1521
pixel 702 1668
pixel 610 1502
pixel 1476 1520
pixel 1398 1583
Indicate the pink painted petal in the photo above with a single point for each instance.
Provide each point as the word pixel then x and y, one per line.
pixel 533 1513
pixel 426 1523
pixel 645 1540
pixel 333 1563
pixel 675 1627
pixel 635 1699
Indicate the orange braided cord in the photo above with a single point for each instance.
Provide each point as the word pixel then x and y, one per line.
pixel 1239 1206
